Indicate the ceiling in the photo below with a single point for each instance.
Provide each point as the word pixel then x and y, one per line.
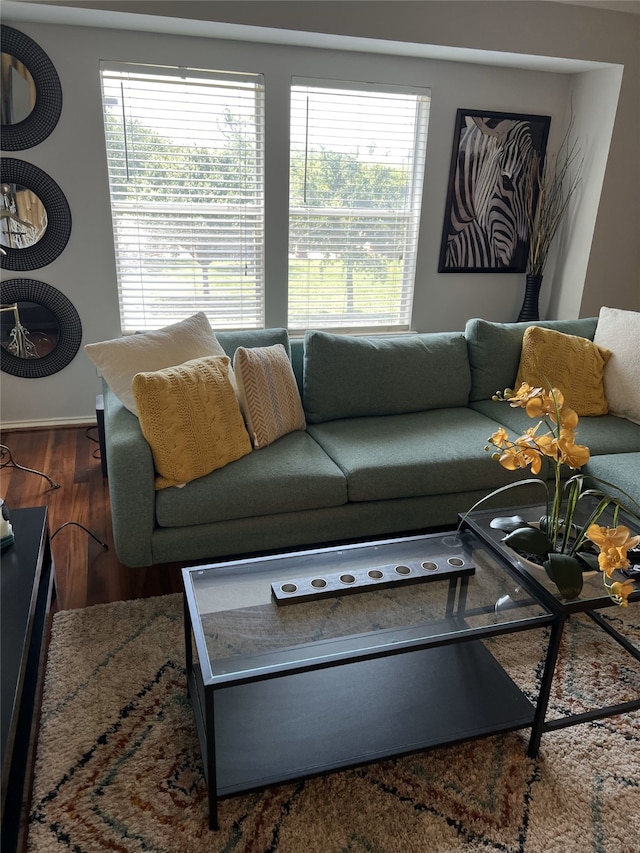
pixel 632 6
pixel 100 13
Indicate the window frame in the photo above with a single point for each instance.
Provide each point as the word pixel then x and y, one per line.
pixel 413 212
pixel 129 294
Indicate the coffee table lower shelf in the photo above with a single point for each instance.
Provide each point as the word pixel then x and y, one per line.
pixel 257 734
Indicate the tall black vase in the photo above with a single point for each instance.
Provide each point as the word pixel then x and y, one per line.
pixel 529 310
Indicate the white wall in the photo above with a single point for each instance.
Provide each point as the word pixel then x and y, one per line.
pixel 591 96
pixel 74 156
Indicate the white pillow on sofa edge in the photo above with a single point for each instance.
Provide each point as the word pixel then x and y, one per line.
pixel 619 331
pixel 120 359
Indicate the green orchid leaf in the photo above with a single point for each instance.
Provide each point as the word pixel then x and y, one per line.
pixel 529 539
pixel 588 560
pixel 549 570
pixel 566 573
pixel 508 523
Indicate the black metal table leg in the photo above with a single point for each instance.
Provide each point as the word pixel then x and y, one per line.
pixel 454 585
pixel 211 760
pixel 188 649
pixel 545 687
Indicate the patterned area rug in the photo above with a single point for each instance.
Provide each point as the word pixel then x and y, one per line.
pixel 119 767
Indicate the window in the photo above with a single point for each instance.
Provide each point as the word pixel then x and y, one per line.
pixel 356 175
pixel 185 152
pixel 186 160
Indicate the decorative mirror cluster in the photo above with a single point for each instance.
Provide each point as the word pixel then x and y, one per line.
pixel 31 92
pixel 35 219
pixel 40 330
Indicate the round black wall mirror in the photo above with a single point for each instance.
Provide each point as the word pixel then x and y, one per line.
pixel 31 93
pixel 35 219
pixel 40 329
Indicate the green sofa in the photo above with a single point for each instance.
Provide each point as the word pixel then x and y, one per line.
pixel 395 438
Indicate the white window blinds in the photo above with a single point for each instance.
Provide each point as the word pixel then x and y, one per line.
pixel 356 176
pixel 185 153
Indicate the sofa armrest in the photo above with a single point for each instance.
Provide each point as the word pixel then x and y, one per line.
pixel 131 483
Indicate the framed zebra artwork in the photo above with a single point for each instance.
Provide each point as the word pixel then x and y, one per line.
pixel 495 158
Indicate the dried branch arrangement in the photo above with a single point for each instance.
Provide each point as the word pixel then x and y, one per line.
pixel 549 191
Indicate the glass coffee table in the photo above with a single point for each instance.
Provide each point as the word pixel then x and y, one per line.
pixel 591 600
pixel 308 662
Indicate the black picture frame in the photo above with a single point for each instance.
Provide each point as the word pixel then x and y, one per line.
pixel 68 321
pixel 485 228
pixel 50 245
pixel 44 116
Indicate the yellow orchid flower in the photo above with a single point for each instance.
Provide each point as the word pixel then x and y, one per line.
pixel 613 542
pixel 512 459
pixel 519 397
pixel 540 403
pixel 555 399
pixel 525 448
pixel 616 537
pixel 554 438
pixel 573 455
pixel 534 459
pixel 548 445
pixel 499 438
pixel 568 418
pixel 611 559
pixel 622 591
pixel 535 407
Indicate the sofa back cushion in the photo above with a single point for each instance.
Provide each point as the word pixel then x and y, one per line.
pixel 297 360
pixel 248 338
pixel 347 376
pixel 495 350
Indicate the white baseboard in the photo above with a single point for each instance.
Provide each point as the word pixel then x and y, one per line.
pixel 46 423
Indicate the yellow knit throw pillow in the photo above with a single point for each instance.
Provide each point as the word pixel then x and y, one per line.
pixel 189 415
pixel 573 364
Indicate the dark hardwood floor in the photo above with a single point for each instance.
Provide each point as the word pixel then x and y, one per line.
pixel 86 573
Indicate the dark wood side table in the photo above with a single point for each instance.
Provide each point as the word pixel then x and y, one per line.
pixel 27 589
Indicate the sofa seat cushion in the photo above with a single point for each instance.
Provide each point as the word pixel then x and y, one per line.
pixel 351 377
pixel 289 475
pixel 621 469
pixel 421 453
pixel 601 434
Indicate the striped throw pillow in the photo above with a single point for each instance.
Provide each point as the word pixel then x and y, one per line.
pixel 268 393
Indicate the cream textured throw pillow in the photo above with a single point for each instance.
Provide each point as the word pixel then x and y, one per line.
pixel 619 331
pixel 268 393
pixel 189 415
pixel 119 360
pixel 573 364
